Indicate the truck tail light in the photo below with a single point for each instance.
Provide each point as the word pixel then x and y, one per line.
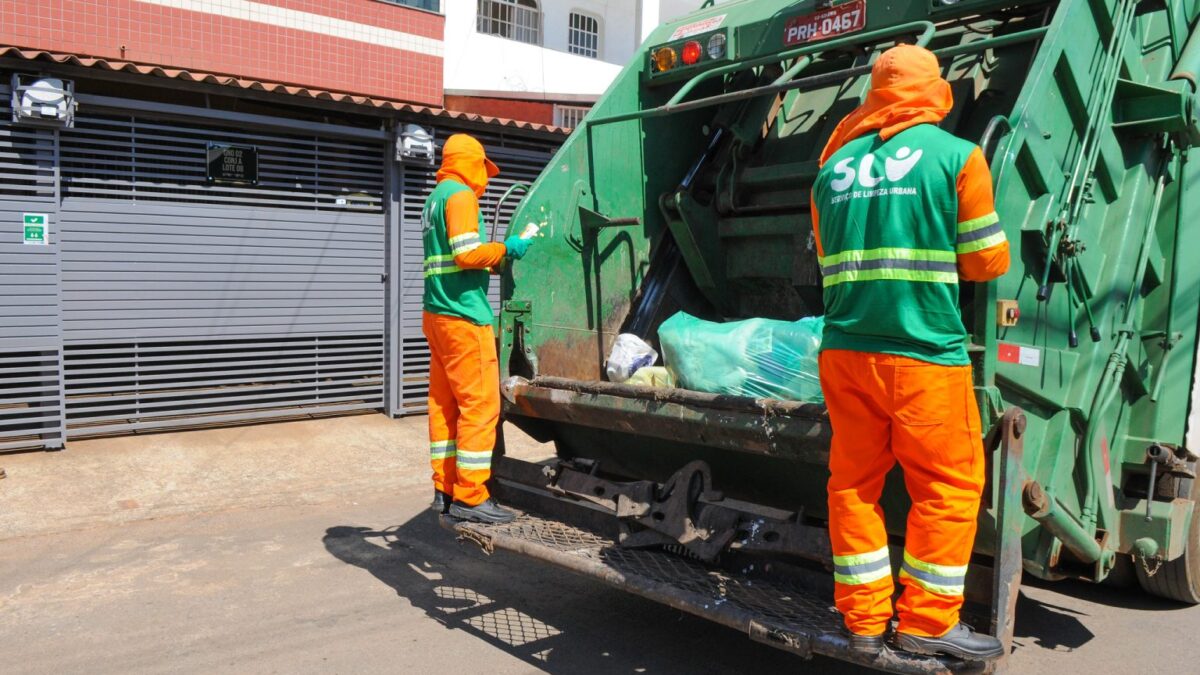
pixel 691 52
pixel 664 59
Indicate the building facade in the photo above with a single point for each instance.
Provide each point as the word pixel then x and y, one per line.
pixel 543 61
pixel 208 217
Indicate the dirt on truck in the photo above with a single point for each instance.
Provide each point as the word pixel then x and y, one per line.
pixel 686 189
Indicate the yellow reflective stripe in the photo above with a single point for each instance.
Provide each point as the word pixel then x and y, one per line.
pixel 932 255
pixel 475 458
pixel 930 586
pixel 466 248
pixel 436 271
pixel 940 570
pixel 980 244
pixel 978 223
pixel 892 275
pixel 862 568
pixel 941 579
pixel 439 258
pixel 442 449
pixel 861 558
pixel 463 237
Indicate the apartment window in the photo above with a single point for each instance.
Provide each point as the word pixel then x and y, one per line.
pixel 519 20
pixel 431 5
pixel 569 116
pixel 583 35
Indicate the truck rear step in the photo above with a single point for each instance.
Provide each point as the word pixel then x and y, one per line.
pixel 785 615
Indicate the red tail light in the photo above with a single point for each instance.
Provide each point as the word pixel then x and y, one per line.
pixel 691 52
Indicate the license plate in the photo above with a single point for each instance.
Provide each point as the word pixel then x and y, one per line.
pixel 848 18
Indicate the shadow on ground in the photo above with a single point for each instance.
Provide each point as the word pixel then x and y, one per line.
pixel 552 620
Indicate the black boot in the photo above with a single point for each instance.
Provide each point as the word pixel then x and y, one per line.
pixel 487 512
pixel 961 642
pixel 866 645
pixel 441 502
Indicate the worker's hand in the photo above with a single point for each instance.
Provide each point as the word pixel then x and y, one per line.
pixel 515 247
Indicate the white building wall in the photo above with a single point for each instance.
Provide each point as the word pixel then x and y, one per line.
pixel 486 65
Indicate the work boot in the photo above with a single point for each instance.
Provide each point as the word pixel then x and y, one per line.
pixel 865 645
pixel 961 642
pixel 487 512
pixel 441 502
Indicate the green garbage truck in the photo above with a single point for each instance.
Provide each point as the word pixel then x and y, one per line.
pixel 686 188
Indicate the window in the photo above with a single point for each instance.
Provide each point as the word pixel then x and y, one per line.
pixel 431 5
pixel 569 116
pixel 583 35
pixel 519 20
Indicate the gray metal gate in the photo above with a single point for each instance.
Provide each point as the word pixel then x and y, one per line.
pixel 31 411
pixel 521 160
pixel 186 302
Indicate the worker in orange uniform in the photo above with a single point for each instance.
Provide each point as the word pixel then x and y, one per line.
pixel 464 374
pixel 902 211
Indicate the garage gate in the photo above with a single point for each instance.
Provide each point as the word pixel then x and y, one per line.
pixel 163 300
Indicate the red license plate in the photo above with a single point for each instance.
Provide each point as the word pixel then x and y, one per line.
pixel 848 18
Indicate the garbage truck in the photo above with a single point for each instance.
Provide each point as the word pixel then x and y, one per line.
pixel 686 189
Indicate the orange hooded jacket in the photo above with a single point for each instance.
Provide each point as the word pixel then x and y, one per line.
pixel 464 161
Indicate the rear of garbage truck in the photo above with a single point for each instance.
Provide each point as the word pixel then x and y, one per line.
pixel 686 189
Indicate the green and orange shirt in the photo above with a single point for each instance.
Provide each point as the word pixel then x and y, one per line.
pixel 897 224
pixel 456 258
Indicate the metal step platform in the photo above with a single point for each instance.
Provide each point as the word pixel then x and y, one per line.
pixel 770 610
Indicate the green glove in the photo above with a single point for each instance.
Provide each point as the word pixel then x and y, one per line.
pixel 516 247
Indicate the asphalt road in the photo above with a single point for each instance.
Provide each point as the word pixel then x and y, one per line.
pixel 306 548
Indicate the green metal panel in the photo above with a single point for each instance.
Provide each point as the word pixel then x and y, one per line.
pixel 1087 131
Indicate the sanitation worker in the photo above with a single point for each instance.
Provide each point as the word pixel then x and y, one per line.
pixel 464 375
pixel 902 211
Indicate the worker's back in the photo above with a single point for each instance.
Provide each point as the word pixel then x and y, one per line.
pixel 888 218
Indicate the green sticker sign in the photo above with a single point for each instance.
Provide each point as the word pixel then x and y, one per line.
pixel 37 228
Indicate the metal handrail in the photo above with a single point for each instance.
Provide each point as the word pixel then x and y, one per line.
pixel 500 202
pixel 779 87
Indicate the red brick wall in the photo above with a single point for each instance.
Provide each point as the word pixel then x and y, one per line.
pixel 197 38
pixel 525 111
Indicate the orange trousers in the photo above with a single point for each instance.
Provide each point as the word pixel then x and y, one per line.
pixel 886 409
pixel 464 405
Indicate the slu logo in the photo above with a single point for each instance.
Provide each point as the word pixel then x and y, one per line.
pixel 893 169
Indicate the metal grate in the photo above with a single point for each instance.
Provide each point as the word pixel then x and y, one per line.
pixel 519 20
pixel 123 387
pixel 145 159
pixel 583 35
pixel 798 608
pixel 30 396
pixel 26 156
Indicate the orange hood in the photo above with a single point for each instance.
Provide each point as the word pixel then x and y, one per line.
pixel 463 159
pixel 907 89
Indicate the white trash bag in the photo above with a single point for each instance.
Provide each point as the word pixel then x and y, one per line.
pixel 629 353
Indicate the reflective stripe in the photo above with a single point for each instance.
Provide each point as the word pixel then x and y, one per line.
pixel 894 253
pixel 892 275
pixel 900 264
pixel 440 264
pixel 862 568
pixel 889 263
pixel 978 223
pixel 940 579
pixel 464 243
pixel 475 459
pixel 442 449
pixel 989 240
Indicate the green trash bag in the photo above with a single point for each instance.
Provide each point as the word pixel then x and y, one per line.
pixel 760 358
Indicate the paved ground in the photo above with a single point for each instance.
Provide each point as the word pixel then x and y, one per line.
pixel 305 547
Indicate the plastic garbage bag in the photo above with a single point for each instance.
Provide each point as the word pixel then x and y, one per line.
pixel 760 358
pixel 653 376
pixel 629 353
